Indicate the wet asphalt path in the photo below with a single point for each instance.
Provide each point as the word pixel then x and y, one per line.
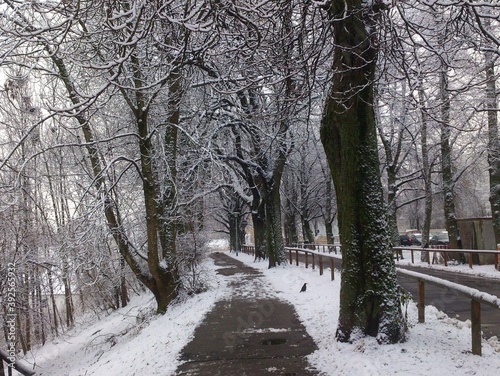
pixel 456 305
pixel 249 333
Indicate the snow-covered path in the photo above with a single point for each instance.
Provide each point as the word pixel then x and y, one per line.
pixel 123 345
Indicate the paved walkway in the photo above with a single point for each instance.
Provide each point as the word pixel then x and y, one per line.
pixel 249 334
pixel 451 302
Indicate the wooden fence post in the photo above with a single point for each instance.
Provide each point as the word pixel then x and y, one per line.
pixel 312 254
pixel 296 257
pixel 421 301
pixel 307 260
pixel 475 312
pixel 290 254
pixel 320 262
pixel 331 266
pixel 497 258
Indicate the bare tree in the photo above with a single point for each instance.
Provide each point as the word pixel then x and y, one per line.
pixel 491 104
pixel 131 56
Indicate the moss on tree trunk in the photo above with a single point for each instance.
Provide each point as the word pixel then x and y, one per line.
pixel 369 296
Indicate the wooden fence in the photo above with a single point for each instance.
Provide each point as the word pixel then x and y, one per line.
pixel 17 365
pixel 316 257
pixel 477 297
pixel 445 251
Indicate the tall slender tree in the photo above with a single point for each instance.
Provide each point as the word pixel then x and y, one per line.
pixel 491 104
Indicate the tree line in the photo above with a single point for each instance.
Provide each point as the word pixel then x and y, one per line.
pixel 131 129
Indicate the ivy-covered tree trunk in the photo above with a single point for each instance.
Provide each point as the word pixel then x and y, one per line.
pixel 307 231
pixel 305 214
pixel 232 232
pixel 168 201
pixel 291 235
pixel 369 296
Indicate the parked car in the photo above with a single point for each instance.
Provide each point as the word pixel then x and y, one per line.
pixel 415 239
pixel 405 241
pixel 418 238
pixel 440 238
pixel 408 240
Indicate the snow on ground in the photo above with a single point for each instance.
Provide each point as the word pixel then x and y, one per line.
pixel 479 270
pixel 131 341
pixel 441 346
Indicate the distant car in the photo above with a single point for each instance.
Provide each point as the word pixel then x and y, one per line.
pixel 415 240
pixel 405 241
pixel 418 238
pixel 408 240
pixel 440 238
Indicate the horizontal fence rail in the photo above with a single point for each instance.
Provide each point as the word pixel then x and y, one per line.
pixel 477 297
pixel 330 248
pixel 16 364
pixel 316 257
pixel 445 252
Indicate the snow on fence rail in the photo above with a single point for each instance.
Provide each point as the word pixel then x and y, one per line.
pixel 477 297
pixel 445 252
pixel 14 364
pixel 315 255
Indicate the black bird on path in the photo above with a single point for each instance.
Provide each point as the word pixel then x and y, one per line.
pixel 303 289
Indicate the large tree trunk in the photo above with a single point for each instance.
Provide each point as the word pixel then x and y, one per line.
pixel 369 296
pixel 123 284
pixel 291 234
pixel 307 231
pixel 168 202
pixel 329 212
pixel 165 279
pixel 259 232
pixel 290 211
pixel 274 236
